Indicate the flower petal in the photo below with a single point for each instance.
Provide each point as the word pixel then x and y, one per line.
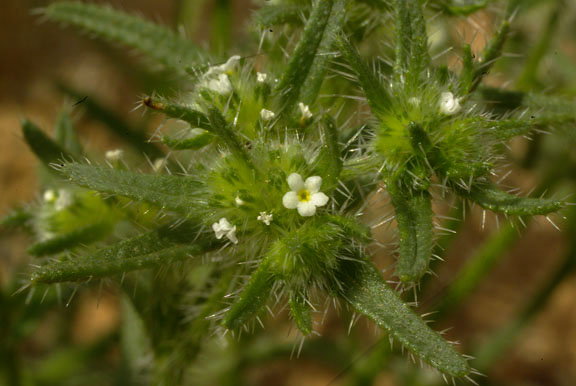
pixel 306 209
pixel 225 224
pixel 319 199
pixel 313 184
pixel 295 182
pixel 290 200
pixel 232 235
pixel 217 230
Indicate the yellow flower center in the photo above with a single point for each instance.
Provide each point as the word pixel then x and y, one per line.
pixel 303 195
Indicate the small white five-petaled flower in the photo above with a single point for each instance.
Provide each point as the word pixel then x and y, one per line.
pixel 261 77
pixel 265 218
pixel 220 85
pixel 114 155
pixel 305 113
pixel 224 228
pixel 305 196
pixel 449 104
pixel 267 115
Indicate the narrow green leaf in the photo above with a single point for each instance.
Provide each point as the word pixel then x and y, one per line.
pixel 414 217
pixel 223 130
pixel 78 237
pixel 165 191
pixel 491 52
pixel 300 311
pixel 378 97
pixel 197 141
pixel 213 122
pixel 412 56
pixel 468 67
pixel 252 298
pixel 312 85
pixel 508 128
pixel 65 135
pixel 48 151
pixel 329 161
pixel 490 197
pixel 301 79
pixel 154 41
pixel 163 246
pixel 136 138
pixel 279 14
pixel 195 118
pixel 17 218
pixel 367 292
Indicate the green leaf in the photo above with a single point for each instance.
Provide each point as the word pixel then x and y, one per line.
pixel 315 77
pixel 414 217
pixel 253 297
pixel 412 56
pixel 468 67
pixel 300 311
pixel 197 141
pixel 48 151
pixel 329 161
pixel 213 122
pixel 491 52
pixel 78 237
pixel 490 197
pixel 166 191
pixel 366 291
pixel 223 130
pixel 378 97
pixel 303 76
pixel 154 41
pixel 163 246
pixel 17 218
pixel 195 118
pixel 138 139
pixel 65 135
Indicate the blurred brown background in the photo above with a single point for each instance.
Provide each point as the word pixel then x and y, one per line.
pixel 34 54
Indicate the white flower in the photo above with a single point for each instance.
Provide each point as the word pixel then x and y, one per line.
pixel 64 199
pixel 61 199
pixel 261 77
pixel 158 164
pixel 239 201
pixel 305 196
pixel 220 85
pixel 267 115
pixel 449 105
pixel 49 195
pixel 304 112
pixel 114 155
pixel 225 68
pixel 224 228
pixel 265 218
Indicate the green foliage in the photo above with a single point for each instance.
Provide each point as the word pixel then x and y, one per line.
pixel 152 40
pixel 166 245
pixel 304 74
pixel 367 292
pixel 170 192
pixel 266 203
